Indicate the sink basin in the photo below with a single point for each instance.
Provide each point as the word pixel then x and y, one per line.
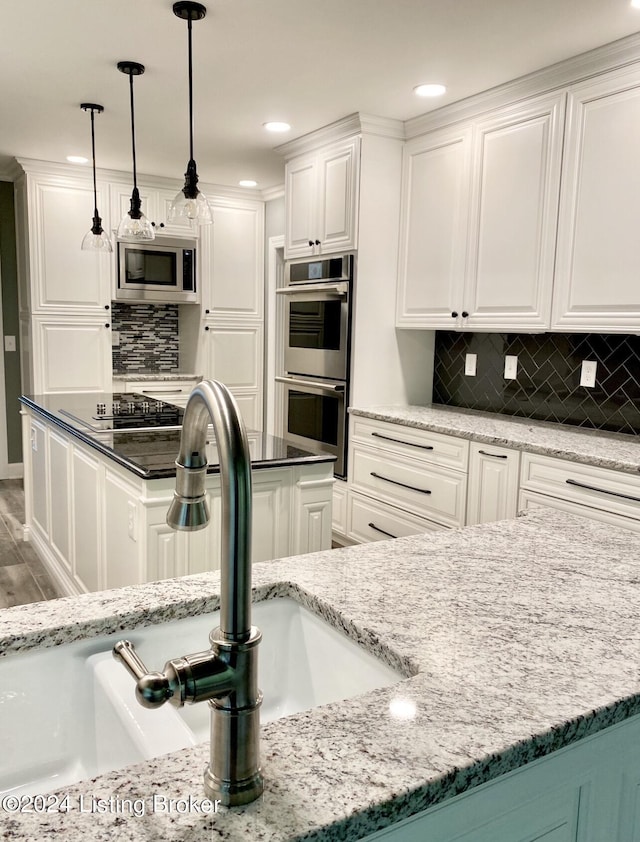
pixel 70 713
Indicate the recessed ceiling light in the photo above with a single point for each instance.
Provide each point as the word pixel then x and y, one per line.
pixel 248 182
pixel 430 90
pixel 275 126
pixel 77 159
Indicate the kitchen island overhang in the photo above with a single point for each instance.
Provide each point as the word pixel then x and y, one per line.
pixel 96 500
pixel 522 637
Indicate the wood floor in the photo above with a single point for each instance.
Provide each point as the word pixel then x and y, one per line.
pixel 23 577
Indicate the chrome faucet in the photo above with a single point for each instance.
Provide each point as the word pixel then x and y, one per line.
pixel 225 675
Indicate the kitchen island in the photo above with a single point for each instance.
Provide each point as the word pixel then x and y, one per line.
pixel 518 716
pixel 97 492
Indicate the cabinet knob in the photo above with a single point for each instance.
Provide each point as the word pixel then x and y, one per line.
pixel 207 311
pixel 157 225
pixel 206 327
pixel 464 314
pixel 106 306
pixel 454 315
pixel 107 324
pixel 317 242
pixel 310 242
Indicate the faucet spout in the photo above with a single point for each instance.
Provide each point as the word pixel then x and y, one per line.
pixel 188 510
pixel 225 675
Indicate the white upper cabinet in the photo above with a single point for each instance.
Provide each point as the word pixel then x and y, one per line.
pixel 479 212
pixel 433 229
pixel 598 262
pixel 231 257
pixel 60 276
pixel 321 200
pixel 514 208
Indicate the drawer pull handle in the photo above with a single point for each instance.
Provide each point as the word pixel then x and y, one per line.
pixel 403 484
pixel 382 531
pixel 495 455
pixel 602 490
pixel 399 441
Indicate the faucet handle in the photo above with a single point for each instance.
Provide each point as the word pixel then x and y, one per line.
pixel 152 688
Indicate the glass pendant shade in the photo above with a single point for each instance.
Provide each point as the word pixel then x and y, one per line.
pixel 190 203
pixel 134 225
pixel 95 239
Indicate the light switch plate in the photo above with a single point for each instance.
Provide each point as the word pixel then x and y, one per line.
pixel 510 367
pixel 470 364
pixel 9 343
pixel 588 373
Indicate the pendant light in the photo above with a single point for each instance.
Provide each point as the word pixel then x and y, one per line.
pixel 95 239
pixel 190 203
pixel 134 226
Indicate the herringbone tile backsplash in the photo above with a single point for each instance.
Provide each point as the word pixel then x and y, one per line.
pixel 548 383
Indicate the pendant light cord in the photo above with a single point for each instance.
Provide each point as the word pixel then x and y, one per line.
pixel 93 154
pixel 189 25
pixel 133 132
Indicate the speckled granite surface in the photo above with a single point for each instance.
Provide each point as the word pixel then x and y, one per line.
pixel 127 376
pixel 520 637
pixel 591 447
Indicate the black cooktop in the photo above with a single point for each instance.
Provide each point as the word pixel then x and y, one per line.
pixel 126 411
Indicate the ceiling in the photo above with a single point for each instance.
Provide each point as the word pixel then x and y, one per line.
pixel 309 62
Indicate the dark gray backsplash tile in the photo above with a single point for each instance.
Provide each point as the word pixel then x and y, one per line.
pixel 148 337
pixel 548 383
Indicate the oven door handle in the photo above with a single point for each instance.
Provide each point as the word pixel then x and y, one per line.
pixel 339 290
pixel 306 384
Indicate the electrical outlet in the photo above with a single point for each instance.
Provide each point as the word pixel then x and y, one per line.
pixel 510 367
pixel 9 343
pixel 115 339
pixel 470 364
pixel 588 373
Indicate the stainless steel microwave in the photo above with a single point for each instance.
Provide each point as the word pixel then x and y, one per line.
pixel 163 270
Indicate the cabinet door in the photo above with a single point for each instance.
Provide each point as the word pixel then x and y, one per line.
pixel 338 173
pixel 494 474
pixel 71 355
pixel 63 277
pixel 120 202
pixel 87 520
pixel 181 227
pixel 598 260
pixel 516 183
pixel 433 230
pixel 235 261
pixel 301 196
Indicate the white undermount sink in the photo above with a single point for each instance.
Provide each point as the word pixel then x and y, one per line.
pixel 69 713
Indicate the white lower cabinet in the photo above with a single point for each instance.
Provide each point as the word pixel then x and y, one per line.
pixel 96 525
pixel 70 354
pixel 587 490
pixel 587 792
pixel 494 476
pixel 369 520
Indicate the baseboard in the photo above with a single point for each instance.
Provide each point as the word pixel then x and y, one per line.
pixel 64 583
pixel 13 470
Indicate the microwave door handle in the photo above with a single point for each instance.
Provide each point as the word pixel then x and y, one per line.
pixel 308 384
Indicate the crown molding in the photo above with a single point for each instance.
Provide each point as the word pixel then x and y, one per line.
pixel 271 193
pixel 617 54
pixel 382 126
pixel 353 124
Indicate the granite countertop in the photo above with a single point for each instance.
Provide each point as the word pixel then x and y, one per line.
pixel 133 376
pixel 618 451
pixel 152 454
pixel 517 637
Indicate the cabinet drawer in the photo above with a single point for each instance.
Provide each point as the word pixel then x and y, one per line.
pixel 425 490
pixel 372 521
pixel 533 500
pixel 598 488
pixel 438 449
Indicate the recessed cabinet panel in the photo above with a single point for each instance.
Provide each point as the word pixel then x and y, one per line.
pixel 598 245
pixel 511 256
pixel 237 355
pixel 236 261
pixel 60 524
pixel 337 222
pixel 300 200
pixel 39 476
pixel 433 230
pixel 494 474
pixel 87 532
pixel 71 355
pixel 63 276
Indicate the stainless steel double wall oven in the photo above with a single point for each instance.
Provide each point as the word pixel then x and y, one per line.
pixel 317 339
